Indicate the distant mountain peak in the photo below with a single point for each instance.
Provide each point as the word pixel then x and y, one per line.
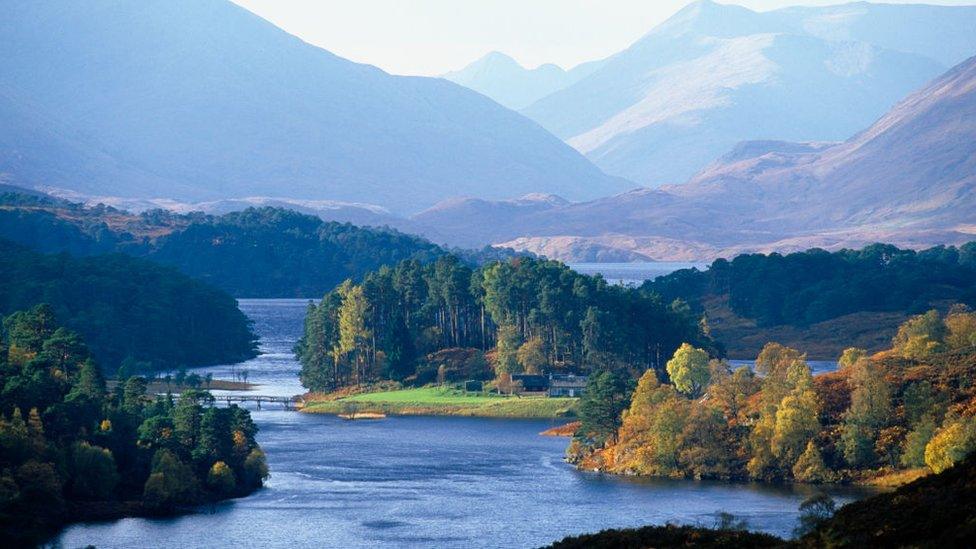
pixel 497 58
pixel 547 198
pixel 510 83
pixel 144 99
pixel 712 19
pixel 715 74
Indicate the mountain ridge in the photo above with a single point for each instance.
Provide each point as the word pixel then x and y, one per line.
pixel 714 75
pixel 203 100
pixel 506 81
pixel 907 179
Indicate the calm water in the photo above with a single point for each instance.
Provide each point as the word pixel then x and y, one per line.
pixel 633 274
pixel 424 481
pixel 816 366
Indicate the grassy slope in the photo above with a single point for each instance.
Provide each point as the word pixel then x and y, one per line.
pixel 448 402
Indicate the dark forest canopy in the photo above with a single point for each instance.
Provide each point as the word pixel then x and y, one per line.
pixel 128 309
pixel 271 252
pixel 258 252
pixel 72 449
pixel 808 287
pixel 528 315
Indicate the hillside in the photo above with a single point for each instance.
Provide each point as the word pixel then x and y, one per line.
pixel 821 303
pixel 923 151
pixel 127 309
pixel 249 252
pixel 257 252
pixel 714 75
pixel 202 100
pixel 908 179
pixel 934 511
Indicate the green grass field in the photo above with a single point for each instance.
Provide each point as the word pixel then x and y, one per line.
pixel 449 402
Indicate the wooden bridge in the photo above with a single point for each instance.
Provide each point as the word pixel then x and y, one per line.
pixel 286 401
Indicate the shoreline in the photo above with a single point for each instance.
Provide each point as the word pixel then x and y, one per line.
pixel 441 401
pixel 96 512
pixel 337 408
pixel 882 481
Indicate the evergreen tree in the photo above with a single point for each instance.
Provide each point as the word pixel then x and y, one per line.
pixel 90 382
pixel 221 479
pixel 604 401
pixel 93 472
pixel 187 415
pixel 171 482
pixel 134 394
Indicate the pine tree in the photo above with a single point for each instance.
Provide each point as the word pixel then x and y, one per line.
pixel 90 382
pixel 35 433
pixel 601 407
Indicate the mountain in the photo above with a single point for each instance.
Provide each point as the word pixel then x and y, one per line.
pixel 913 169
pixel 714 75
pixel 909 179
pixel 201 100
pixel 472 222
pixel 328 210
pixel 506 81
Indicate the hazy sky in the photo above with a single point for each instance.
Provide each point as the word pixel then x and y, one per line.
pixel 431 37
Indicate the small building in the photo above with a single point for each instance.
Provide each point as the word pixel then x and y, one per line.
pixel 473 386
pixel 566 385
pixel 531 383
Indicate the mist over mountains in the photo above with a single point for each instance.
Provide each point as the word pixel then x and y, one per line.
pixel 909 179
pixel 714 75
pixel 200 100
pixel 747 117
pixel 503 79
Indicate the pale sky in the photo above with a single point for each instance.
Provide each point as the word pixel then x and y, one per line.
pixel 431 37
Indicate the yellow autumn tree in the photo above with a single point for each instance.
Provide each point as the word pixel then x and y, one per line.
pixel 810 466
pixel 951 444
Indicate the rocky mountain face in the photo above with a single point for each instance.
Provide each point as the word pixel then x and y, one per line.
pixel 200 100
pixel 714 75
pixel 909 179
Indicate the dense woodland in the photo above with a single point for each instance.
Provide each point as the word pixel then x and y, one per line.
pixel 521 315
pixel 911 407
pixel 807 287
pixel 128 310
pixel 73 449
pixel 258 252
